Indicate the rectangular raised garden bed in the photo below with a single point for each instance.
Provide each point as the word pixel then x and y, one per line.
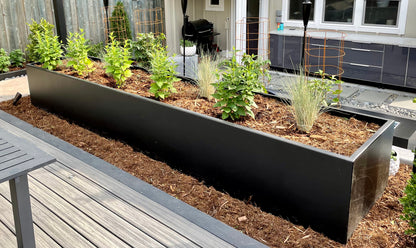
pixel 12 74
pixel 329 192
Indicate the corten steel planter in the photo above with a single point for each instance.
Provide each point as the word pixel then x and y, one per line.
pixel 12 74
pixel 329 192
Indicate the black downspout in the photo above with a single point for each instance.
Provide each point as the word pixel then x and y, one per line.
pixel 58 7
pixel 184 4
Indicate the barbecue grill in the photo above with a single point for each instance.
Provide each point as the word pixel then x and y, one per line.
pixel 201 32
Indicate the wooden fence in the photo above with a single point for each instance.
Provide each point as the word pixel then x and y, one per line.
pixel 89 15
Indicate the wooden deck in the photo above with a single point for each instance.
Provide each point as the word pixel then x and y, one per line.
pixel 76 205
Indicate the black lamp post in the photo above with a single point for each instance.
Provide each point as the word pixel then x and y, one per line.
pixel 185 20
pixel 306 12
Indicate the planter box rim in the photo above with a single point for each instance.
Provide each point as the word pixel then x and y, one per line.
pixel 247 129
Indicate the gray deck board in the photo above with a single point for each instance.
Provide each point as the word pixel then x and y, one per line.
pixel 74 203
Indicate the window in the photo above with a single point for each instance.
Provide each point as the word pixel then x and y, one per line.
pixel 338 11
pixel 295 11
pixel 214 5
pixel 380 16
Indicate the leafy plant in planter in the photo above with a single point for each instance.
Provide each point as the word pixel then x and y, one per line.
pixel 77 52
pixel 17 58
pixel 4 61
pixel 409 205
pixel 96 50
pixel 119 23
pixel 48 50
pixel 325 84
pixel 144 45
pixel 163 73
pixel 236 90
pixel 42 27
pixel 117 60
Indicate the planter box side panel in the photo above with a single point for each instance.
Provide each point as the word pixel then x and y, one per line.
pixel 370 177
pixel 12 74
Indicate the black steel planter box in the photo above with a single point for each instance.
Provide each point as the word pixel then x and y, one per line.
pixel 329 192
pixel 12 74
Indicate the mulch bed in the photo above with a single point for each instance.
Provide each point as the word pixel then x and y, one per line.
pixel 382 227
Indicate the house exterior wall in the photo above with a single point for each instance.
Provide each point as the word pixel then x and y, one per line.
pixel 411 20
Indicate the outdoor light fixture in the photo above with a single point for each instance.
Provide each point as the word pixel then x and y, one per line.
pixel 306 12
pixel 185 20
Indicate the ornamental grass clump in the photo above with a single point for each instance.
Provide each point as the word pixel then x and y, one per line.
pixel 409 205
pixel 208 66
pixel 117 60
pixel 235 91
pixel 163 73
pixel 77 53
pixel 17 58
pixel 4 61
pixel 305 101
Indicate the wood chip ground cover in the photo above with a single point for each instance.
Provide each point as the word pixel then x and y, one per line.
pixel 382 227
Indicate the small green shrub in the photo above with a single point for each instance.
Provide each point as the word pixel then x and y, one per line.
pixel 414 100
pixel 48 50
pixel 207 67
pixel 4 61
pixel 77 53
pixel 305 101
pixel 117 60
pixel 42 27
pixel 119 23
pixel 96 50
pixel 325 84
pixel 163 73
pixel 409 205
pixel 144 45
pixel 17 58
pixel 236 90
pixel 188 43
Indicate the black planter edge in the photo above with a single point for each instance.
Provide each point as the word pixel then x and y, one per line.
pixel 212 225
pixel 12 74
pixel 298 144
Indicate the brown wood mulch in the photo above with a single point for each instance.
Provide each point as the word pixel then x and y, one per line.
pixel 331 133
pixel 382 227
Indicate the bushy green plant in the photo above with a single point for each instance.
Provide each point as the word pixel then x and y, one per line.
pixel 42 27
pixel 144 45
pixel 163 73
pixel 188 43
pixel 117 60
pixel 305 101
pixel 207 69
pixel 77 53
pixel 409 205
pixel 17 58
pixel 96 50
pixel 236 90
pixel 4 61
pixel 325 85
pixel 414 100
pixel 119 23
pixel 48 50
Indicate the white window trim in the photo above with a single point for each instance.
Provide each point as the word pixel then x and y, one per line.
pixel 357 19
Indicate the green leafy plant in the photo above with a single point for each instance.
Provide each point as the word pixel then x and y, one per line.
pixel 96 50
pixel 409 205
pixel 144 45
pixel 119 23
pixel 188 43
pixel 4 61
pixel 207 67
pixel 117 60
pixel 42 27
pixel 17 58
pixel 77 53
pixel 325 84
pixel 163 73
pixel 48 50
pixel 414 100
pixel 236 90
pixel 305 101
